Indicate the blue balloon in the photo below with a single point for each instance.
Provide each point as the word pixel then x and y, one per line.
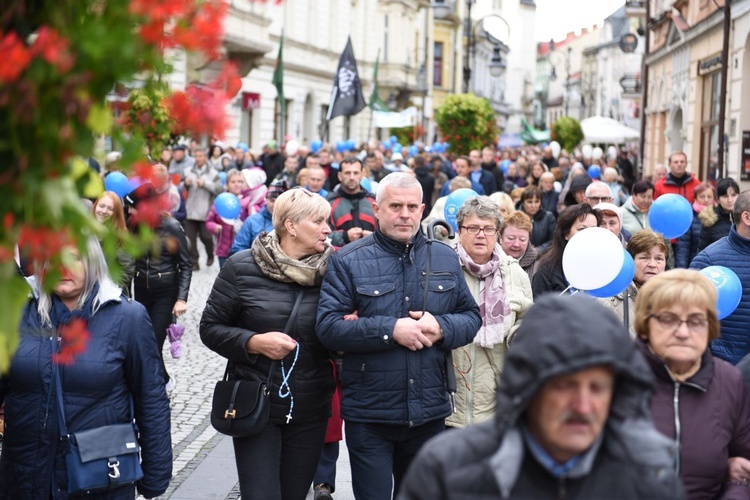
pixel 438 148
pixel 413 150
pixel 227 205
pixel 117 183
pixel 386 145
pixel 393 139
pixel 340 146
pixel 365 183
pixel 316 145
pixel 223 177
pixel 428 149
pixel 594 171
pixel 454 202
pixel 351 145
pixel 621 281
pixel 729 287
pixel 397 148
pixel 670 215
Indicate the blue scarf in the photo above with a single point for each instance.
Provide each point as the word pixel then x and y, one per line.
pixel 60 315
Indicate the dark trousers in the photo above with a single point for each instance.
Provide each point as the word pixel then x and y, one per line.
pixel 222 260
pixel 279 463
pixel 380 454
pixel 193 230
pixel 159 303
pixel 326 472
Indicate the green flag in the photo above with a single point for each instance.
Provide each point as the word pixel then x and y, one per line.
pixel 376 103
pixel 278 76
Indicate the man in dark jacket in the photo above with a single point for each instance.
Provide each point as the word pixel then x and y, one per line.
pixel 480 175
pixel 394 389
pixel 732 251
pixel 352 215
pixel 489 164
pixel 570 421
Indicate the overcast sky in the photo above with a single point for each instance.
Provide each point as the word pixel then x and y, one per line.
pixel 555 18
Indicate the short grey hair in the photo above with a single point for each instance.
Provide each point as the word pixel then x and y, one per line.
pixel 397 180
pixel 481 206
pixel 740 206
pixel 97 272
pixel 597 184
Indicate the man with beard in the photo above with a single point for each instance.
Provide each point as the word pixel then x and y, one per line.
pixel 352 215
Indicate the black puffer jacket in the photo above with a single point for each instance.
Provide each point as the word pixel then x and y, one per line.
pixel 543 230
pixel 172 267
pixel 716 224
pixel 633 460
pixel 243 302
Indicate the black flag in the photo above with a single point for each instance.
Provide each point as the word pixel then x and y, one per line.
pixel 346 97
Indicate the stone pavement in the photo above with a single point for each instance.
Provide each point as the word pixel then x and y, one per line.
pixel 203 466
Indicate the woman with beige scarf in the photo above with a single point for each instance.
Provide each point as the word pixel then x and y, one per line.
pixel 503 291
pixel 250 319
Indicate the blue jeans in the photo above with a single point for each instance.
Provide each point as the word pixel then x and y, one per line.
pixel 380 455
pixel 222 260
pixel 279 463
pixel 326 472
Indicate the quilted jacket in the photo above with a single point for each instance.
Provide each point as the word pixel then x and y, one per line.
pixel 349 211
pixel 121 359
pixel 733 252
pixel 243 302
pixel 383 280
pixel 687 244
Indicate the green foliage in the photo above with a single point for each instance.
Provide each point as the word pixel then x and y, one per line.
pixel 567 131
pixel 466 122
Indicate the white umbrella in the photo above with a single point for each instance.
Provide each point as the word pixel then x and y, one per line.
pixel 600 129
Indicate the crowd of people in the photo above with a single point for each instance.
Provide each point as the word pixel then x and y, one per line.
pixel 469 369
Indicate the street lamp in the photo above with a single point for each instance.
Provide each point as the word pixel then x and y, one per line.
pixel 553 72
pixel 497 64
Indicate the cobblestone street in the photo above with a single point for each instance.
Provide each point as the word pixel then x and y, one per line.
pixel 203 466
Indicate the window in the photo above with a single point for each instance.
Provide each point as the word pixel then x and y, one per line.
pixel 437 69
pixel 385 39
pixel 280 129
pixel 710 125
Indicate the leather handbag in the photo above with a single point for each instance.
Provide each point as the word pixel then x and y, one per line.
pixel 99 459
pixel 240 407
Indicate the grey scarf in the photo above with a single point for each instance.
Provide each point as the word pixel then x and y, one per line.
pixel 277 265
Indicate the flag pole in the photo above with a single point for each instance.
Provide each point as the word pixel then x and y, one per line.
pixel 334 94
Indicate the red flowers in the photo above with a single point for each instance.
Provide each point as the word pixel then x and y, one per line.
pixel 39 244
pixel 17 57
pixel 190 24
pixel 53 48
pixel 74 337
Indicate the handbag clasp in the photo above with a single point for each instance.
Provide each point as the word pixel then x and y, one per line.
pixel 230 414
pixel 114 465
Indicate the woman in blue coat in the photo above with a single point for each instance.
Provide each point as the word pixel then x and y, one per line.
pixel 120 363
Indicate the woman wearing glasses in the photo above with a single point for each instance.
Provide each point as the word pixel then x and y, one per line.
pixel 502 289
pixel 700 401
pixel 649 251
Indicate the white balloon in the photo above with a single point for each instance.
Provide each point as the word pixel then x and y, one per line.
pixel 592 258
pixel 612 152
pixel 586 150
pixel 555 147
pixel 291 148
pixel 597 153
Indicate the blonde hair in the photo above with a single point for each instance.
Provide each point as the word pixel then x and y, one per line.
pixel 296 205
pixel 678 286
pixel 503 200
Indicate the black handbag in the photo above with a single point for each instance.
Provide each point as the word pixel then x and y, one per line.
pixel 240 407
pixel 99 459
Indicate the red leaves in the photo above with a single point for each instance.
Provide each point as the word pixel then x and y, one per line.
pixel 75 338
pixel 16 57
pixel 53 48
pixel 229 80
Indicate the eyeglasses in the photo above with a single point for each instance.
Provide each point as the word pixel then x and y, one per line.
pixel 488 231
pixel 600 199
pixel 696 323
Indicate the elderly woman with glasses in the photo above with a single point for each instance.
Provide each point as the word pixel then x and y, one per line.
pixel 503 292
pixel 700 401
pixel 246 319
pixel 649 251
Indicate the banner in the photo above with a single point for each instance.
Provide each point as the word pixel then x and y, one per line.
pixel 386 119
